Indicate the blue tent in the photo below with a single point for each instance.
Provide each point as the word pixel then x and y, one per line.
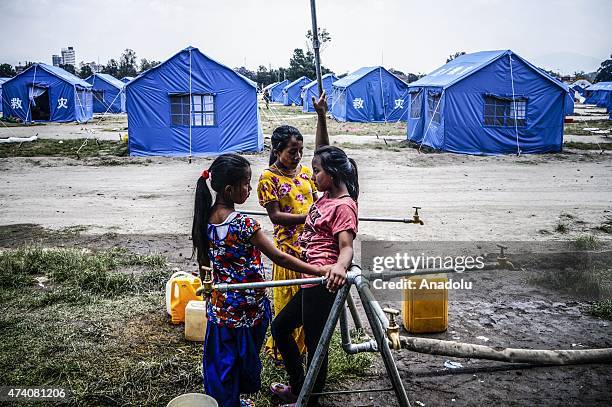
pixel 2 80
pixel 45 93
pixel 490 102
pixel 127 79
pixel 292 92
pixel 270 86
pixel 312 90
pixel 108 93
pixel 276 91
pixel 609 107
pixel 370 94
pixel 597 94
pixel 192 105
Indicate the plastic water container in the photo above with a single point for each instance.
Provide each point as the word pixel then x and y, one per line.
pixel 180 289
pixel 193 400
pixel 195 321
pixel 425 310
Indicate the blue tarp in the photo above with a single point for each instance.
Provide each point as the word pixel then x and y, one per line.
pixel 223 103
pixel 47 93
pixel 609 107
pixel 108 93
pixel 370 94
pixel 312 90
pixel 2 80
pixel 597 94
pixel 127 79
pixel 292 93
pixel 276 91
pixel 469 106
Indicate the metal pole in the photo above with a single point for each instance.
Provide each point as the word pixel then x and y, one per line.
pixel 361 218
pixel 266 284
pixel 354 313
pixel 323 345
pixel 383 344
pixel 315 44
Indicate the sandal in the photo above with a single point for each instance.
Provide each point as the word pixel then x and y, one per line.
pixel 247 403
pixel 283 392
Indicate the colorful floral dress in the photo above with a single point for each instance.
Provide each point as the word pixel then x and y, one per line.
pixel 235 259
pixel 294 195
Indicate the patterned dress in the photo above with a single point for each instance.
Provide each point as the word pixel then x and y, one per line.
pixel 235 259
pixel 294 195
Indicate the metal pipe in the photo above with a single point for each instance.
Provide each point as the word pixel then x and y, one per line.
pixel 354 313
pixel 369 297
pixel 383 345
pixel 361 218
pixel 325 393
pixel 347 345
pixel 266 284
pixel 322 346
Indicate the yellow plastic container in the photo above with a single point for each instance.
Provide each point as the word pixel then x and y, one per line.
pixel 195 321
pixel 425 310
pixel 180 289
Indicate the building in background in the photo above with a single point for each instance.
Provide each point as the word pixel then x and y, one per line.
pixel 57 60
pixel 68 56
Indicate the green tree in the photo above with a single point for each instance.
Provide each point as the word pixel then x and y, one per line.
pixel 455 55
pixel 245 72
pixel 604 73
pixel 127 64
pixel 85 72
pixel 324 39
pixel 145 65
pixel 111 68
pixel 7 71
pixel 68 67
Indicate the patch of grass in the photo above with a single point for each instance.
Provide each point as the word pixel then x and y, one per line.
pixel 584 281
pixel 588 146
pixel 606 226
pixel 587 242
pixel 72 269
pixel 602 309
pixel 75 148
pixel 561 227
pixel 577 128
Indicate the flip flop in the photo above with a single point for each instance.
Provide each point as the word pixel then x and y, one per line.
pixel 283 392
pixel 247 403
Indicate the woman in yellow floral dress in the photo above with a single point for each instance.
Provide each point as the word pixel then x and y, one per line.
pixel 287 191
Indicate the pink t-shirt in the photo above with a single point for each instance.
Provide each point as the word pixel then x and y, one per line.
pixel 327 217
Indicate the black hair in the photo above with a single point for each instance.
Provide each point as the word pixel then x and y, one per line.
pixel 340 167
pixel 280 138
pixel 227 169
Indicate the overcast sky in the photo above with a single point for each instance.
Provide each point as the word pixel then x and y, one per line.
pixel 409 35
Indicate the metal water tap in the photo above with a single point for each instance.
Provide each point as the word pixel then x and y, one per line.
pixel 416 218
pixel 207 282
pixel 393 332
pixel 502 260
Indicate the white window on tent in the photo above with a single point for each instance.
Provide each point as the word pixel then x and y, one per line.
pixel 500 111
pixel 202 110
pixel 433 107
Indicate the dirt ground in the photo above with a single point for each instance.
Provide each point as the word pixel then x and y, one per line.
pixel 147 207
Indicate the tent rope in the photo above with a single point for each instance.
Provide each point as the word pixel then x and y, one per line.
pixel 190 106
pixel 518 147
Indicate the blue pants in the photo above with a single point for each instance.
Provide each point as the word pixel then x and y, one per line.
pixel 231 363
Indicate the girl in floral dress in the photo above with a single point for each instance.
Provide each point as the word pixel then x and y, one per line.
pixel 287 191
